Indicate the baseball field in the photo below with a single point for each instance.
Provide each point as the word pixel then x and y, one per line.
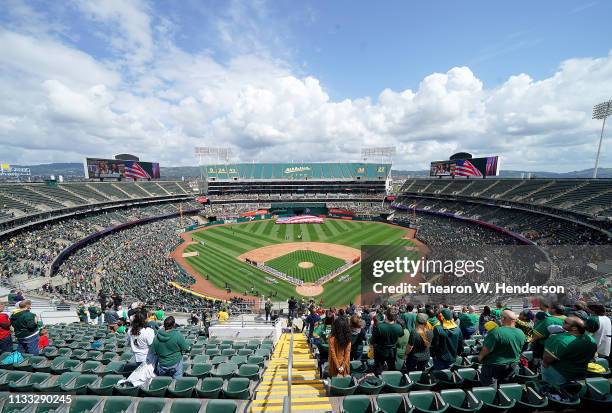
pixel 305 251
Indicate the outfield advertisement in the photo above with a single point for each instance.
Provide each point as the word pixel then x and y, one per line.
pixel 96 168
pixel 474 167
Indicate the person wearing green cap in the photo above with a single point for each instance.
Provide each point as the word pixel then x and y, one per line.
pixel 447 341
pixel 567 355
pixel 160 315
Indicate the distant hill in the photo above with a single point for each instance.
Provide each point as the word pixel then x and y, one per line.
pixel 74 170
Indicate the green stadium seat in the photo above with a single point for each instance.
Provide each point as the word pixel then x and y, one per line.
pixel 87 367
pixel 78 385
pixel 371 385
pixel 357 404
pixel 114 367
pixel 157 387
pixel 392 403
pixel 224 370
pixel 596 394
pixel 51 352
pixel 185 406
pixel 447 379
pixel 239 360
pixel 246 352
pixel 238 346
pixel 107 357
pixel 118 404
pixel 265 353
pixel 259 360
pixel 396 382
pixel 493 399
pixel 525 375
pixel 183 387
pixel 342 386
pixel 199 370
pixel 423 380
pixel 200 359
pixel 237 388
pixel 358 369
pixel 11 376
pixel 212 352
pixel 220 406
pixel 104 385
pixel 54 383
pixel 82 404
pixel 151 405
pixel 249 371
pixel 26 383
pixel 210 388
pixel 470 377
pixel 216 360
pixel 526 398
pixel 126 389
pixel 228 352
pixel 61 365
pixel 460 401
pixel 426 401
pixel 28 363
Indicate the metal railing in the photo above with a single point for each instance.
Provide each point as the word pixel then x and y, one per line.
pixel 290 371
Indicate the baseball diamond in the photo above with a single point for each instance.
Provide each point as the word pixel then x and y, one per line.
pixel 220 264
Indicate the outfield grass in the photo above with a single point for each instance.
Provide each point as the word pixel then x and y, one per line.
pixel 323 265
pixel 217 258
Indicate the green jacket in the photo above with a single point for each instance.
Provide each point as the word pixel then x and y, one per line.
pixel 24 323
pixel 384 338
pixel 168 346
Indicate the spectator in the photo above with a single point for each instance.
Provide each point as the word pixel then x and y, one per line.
pixel 116 298
pixel 484 317
pixel 358 336
pixel 102 299
pixel 25 326
pixel 603 334
pixel 432 320
pixel 82 312
pixel 447 341
pixel 541 331
pixel 384 340
pixel 402 343
pixel 11 297
pixel 501 351
pixel 6 340
pixel 222 316
pixel 292 304
pixel 94 313
pixel 19 296
pixel 268 308
pixel 111 317
pixel 311 320
pixel 121 328
pixel 525 323
pixel 566 355
pixel 468 322
pixel 409 317
pixel 44 339
pixel 417 350
pixel 169 345
pixel 339 348
pixel 140 338
pixel 321 334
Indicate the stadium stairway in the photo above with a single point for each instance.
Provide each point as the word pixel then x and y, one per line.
pixel 307 390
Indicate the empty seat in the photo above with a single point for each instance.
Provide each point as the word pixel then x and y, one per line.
pixel 78 385
pixel 447 379
pixel 357 404
pixel 26 383
pixel 11 376
pixel 81 404
pixel 459 400
pixel 220 406
pixel 183 387
pixel 342 386
pixel 249 371
pixel 526 398
pixel 185 406
pixel 224 370
pixel 239 360
pixel 104 385
pixel 199 370
pixel 157 387
pixel 493 399
pixel 259 360
pixel 392 403
pixel 210 388
pixel 118 404
pixel 426 401
pixel 237 388
pixel 151 405
pixel 54 383
pixel 396 382
pixel 423 380
pixel 596 394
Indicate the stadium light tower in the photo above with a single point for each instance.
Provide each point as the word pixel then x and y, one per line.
pixel 601 111
pixel 210 152
pixel 382 151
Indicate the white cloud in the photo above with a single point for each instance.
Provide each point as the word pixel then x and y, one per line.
pixel 58 103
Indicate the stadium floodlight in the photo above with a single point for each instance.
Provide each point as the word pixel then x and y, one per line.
pixel 601 111
pixel 382 151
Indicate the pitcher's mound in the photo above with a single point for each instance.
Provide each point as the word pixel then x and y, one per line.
pixel 309 289
pixel 305 264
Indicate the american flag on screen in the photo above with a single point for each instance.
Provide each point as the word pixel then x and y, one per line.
pixel 135 171
pixel 463 167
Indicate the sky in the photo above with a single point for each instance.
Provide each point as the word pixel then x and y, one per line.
pixel 305 81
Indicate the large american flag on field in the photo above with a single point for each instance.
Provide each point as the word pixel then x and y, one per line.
pixel 134 170
pixel 463 167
